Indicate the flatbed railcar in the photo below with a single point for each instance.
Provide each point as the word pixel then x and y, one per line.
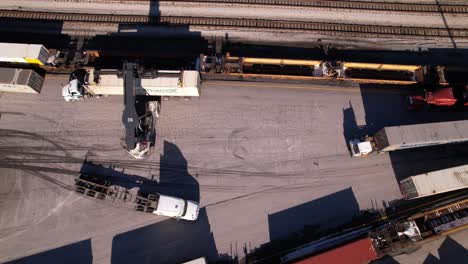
pixel 276 68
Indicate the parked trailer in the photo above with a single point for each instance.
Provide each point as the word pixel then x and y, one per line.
pixel 157 83
pixel 411 136
pixel 23 53
pixel 435 182
pixel 20 80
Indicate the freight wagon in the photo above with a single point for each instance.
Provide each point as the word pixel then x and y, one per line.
pixel 293 69
pixel 20 80
pixel 435 182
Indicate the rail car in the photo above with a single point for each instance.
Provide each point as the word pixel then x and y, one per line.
pixel 227 67
pixel 273 68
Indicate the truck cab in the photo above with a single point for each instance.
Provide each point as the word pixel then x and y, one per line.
pixel 75 89
pixel 177 208
pixel 360 147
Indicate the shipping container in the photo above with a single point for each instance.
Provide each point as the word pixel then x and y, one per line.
pixel 358 252
pixel 20 80
pixel 23 53
pixel 421 135
pixel 435 182
pixel 164 83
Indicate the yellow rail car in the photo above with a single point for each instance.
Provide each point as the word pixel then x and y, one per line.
pixel 382 73
pixel 287 69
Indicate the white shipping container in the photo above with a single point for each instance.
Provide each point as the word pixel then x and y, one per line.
pixel 186 83
pixel 435 182
pixel 23 53
pixel 421 135
pixel 20 80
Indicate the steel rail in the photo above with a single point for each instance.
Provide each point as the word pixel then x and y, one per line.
pixel 240 23
pixel 359 5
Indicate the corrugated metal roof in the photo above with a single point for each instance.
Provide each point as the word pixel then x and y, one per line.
pixel 357 252
pixel 435 182
pixel 14 75
pixel 422 134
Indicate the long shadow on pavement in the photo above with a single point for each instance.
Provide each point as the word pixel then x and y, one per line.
pixel 450 251
pixel 170 241
pixel 304 223
pixel 76 253
pixel 328 211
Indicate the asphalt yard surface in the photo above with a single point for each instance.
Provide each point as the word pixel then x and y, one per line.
pixel 263 160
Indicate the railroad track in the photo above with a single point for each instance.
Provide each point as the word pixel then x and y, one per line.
pixel 360 5
pixel 239 23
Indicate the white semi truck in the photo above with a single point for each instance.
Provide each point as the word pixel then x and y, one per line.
pixel 435 182
pixel 169 206
pixel 410 136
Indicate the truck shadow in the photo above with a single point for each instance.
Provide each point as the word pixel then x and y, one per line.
pixel 75 253
pixel 174 178
pixel 169 241
pixel 350 127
